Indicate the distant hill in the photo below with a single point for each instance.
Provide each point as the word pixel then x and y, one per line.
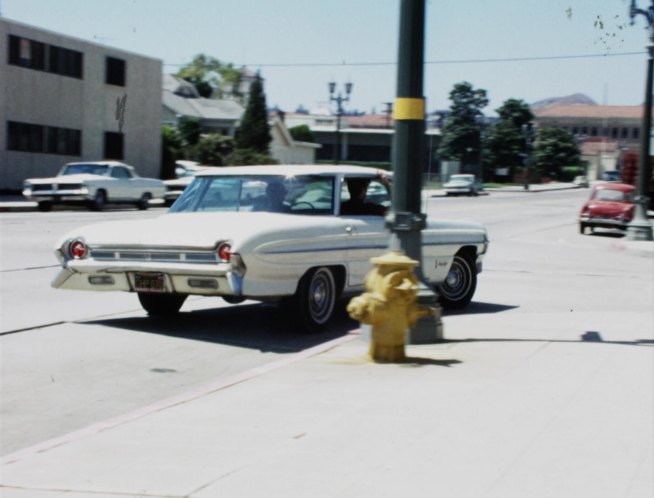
pixel 576 98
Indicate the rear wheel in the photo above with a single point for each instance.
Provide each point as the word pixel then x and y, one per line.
pixel 313 304
pixel 161 304
pixel 582 228
pixel 144 202
pixel 460 284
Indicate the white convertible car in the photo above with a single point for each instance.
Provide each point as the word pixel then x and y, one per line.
pixel 95 184
pixel 290 235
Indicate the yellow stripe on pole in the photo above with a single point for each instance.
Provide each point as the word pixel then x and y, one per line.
pixel 409 108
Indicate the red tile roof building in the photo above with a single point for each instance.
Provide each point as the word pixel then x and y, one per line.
pixel 619 123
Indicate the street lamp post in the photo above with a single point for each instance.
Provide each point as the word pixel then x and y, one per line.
pixel 481 121
pixel 528 133
pixel 640 227
pixel 339 99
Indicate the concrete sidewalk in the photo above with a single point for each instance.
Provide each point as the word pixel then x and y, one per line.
pixel 513 407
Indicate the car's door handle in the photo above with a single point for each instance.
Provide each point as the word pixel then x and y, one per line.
pixel 349 229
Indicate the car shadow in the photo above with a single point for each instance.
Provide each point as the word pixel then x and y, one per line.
pixel 477 308
pixel 253 326
pixel 614 234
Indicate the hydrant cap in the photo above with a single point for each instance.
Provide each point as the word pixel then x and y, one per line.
pixel 395 258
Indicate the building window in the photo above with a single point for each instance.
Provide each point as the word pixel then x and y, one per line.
pixel 42 57
pixel 115 69
pixel 625 132
pixel 113 145
pixel 614 133
pixel 27 137
pixel 593 131
pixel 635 133
pixel 64 141
pixel 65 62
pixel 26 53
pixel 24 137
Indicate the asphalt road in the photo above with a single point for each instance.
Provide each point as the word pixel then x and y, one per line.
pixel 70 359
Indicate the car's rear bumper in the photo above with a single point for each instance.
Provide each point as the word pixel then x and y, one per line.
pixel 183 279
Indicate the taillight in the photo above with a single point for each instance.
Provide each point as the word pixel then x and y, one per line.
pixel 224 252
pixel 629 214
pixel 78 249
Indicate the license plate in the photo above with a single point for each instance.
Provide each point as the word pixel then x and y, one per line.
pixel 149 282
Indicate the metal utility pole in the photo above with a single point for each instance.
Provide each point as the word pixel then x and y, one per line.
pixel 339 99
pixel 528 134
pixel 640 228
pixel 406 221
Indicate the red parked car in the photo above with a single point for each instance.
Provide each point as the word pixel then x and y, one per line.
pixel 611 205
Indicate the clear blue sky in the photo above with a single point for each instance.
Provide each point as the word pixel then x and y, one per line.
pixel 300 45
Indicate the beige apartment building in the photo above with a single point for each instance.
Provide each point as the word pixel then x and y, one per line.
pixel 604 132
pixel 63 99
pixel 620 124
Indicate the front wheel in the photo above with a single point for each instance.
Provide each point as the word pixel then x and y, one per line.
pixel 45 206
pixel 99 200
pixel 161 304
pixel 459 285
pixel 313 304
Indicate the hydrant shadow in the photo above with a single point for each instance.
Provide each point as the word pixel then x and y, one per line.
pixel 416 361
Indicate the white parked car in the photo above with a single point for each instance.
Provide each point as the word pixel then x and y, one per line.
pixel 94 184
pixel 175 187
pixel 268 233
pixel 462 184
pixel 186 168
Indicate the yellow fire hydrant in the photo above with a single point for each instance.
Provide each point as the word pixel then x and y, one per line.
pixel 389 306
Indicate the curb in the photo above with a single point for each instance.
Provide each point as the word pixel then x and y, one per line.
pixel 17 207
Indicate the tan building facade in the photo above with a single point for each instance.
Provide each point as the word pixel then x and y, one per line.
pixel 603 132
pixel 618 123
pixel 63 99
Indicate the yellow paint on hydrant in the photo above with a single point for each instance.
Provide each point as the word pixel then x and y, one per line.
pixel 390 305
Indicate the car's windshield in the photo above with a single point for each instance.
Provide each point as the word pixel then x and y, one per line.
pixel 91 169
pixel 306 194
pixel 459 178
pixel 613 195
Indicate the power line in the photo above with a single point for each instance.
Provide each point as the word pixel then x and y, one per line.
pixel 444 61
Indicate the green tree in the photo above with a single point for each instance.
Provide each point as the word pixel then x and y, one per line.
pixel 461 139
pixel 172 146
pixel 505 143
pixel 254 131
pixel 189 130
pixel 212 149
pixel 515 112
pixel 209 75
pixel 302 133
pixel 554 149
pixel 246 157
